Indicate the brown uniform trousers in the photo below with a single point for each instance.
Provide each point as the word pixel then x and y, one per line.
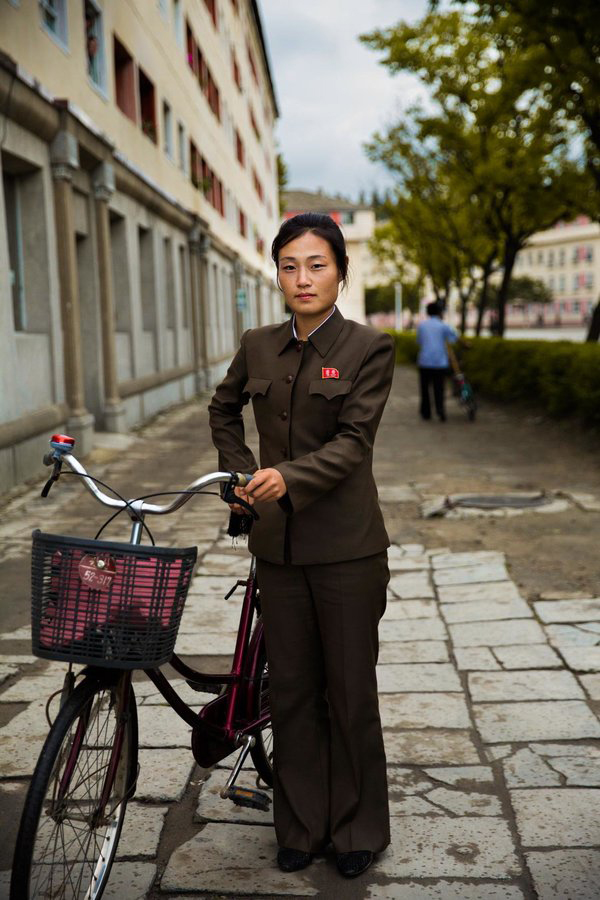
pixel 322 569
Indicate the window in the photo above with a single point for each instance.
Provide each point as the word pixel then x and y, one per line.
pixel 575 282
pixel 213 97
pixel 550 259
pixel 147 105
pixel 589 280
pixel 15 250
pixel 252 64
pixel 589 253
pixel 239 149
pixel 167 129
pixel 195 167
pixel 575 255
pixel 551 283
pixel 347 217
pixel 561 283
pixel 561 256
pixel 178 22
pixel 255 128
pixel 211 6
pixel 181 147
pixel 237 75
pixel 575 306
pixel 242 223
pixel 163 6
pixel 540 256
pixel 124 80
pixel 54 19
pixel 257 185
pixel 94 41
pixel 191 48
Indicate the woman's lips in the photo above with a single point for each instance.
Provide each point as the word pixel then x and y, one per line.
pixel 304 296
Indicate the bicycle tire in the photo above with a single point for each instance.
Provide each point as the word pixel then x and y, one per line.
pixel 262 752
pixel 81 867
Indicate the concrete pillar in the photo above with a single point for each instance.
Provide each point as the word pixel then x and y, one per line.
pixel 239 308
pixel 197 263
pixel 64 159
pixel 113 409
pixel 203 287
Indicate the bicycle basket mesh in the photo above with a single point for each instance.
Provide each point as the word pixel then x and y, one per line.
pixel 130 621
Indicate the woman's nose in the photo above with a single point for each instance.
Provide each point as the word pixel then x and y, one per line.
pixel 303 277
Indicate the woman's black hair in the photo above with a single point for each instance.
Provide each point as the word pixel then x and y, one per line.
pixel 321 225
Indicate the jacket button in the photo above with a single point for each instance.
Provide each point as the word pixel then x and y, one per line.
pixel 299 346
pixel 283 415
pixel 289 378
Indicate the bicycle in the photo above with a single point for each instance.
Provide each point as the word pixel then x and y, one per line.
pixel 116 607
pixel 462 389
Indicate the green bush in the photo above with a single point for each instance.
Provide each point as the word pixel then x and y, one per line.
pixel 559 377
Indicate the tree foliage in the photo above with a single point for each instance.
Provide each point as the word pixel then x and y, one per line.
pixel 486 167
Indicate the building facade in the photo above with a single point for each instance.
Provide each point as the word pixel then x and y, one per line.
pixel 567 259
pixel 139 196
pixel 358 226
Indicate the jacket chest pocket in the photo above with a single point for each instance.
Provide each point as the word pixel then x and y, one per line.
pixel 329 388
pixel 258 389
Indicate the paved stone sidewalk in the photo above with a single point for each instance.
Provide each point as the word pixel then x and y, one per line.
pixel 489 703
pixel 491 736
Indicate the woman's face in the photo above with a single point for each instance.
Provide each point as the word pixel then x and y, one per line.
pixel 308 275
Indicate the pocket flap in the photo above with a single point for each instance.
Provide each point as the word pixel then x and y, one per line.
pixel 329 387
pixel 257 386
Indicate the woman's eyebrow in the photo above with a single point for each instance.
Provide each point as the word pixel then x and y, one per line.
pixel 293 258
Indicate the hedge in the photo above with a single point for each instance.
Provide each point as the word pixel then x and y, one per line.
pixel 559 377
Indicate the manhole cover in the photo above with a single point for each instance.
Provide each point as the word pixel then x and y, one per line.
pixel 499 501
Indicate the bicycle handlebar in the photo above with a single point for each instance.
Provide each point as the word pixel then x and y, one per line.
pixel 139 507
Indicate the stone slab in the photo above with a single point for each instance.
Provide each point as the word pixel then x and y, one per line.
pixel 225 564
pixel 207 861
pixel 411 609
pixel 202 616
pixel 21 741
pixel 474 558
pixel 397 493
pixel 475 659
pixel 461 803
pixel 458 775
pixel 572 635
pixel 555 817
pixel 6 671
pixel 412 652
pixel 528 685
pixel 463 593
pixel 445 847
pixel 581 659
pixel 206 644
pixel 409 564
pixel 557 611
pixel 160 726
pixel 494 571
pixel 562 874
pixel 412 630
pixel 496 633
pixel 164 773
pixel 424 711
pixel 430 747
pixel 417 677
pixel 592 685
pixel 128 881
pixel 524 768
pixel 32 687
pixel 141 830
pixel 413 585
pixel 443 890
pixel 531 656
pixel 485 610
pixel 535 721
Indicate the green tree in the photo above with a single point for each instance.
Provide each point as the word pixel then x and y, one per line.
pixel 503 152
pixel 558 47
pixel 382 297
pixel 282 180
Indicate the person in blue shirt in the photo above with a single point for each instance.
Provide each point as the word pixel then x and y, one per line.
pixel 433 362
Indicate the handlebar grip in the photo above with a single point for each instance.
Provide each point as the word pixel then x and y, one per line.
pixel 243 479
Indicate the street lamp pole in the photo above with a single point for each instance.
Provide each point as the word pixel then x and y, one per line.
pixel 398 304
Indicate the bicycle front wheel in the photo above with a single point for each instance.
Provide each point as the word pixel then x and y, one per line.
pixel 77 798
pixel 262 752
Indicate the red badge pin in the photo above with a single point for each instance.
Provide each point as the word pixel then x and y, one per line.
pixel 330 373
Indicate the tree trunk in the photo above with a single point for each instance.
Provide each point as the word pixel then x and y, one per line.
pixel 487 270
pixel 593 334
pixel 510 254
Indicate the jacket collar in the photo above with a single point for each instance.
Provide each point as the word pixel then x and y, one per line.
pixel 323 338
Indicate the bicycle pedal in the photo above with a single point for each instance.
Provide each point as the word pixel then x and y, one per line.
pixel 247 797
pixel 204 688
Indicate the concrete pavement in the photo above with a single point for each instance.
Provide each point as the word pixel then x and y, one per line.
pixel 489 691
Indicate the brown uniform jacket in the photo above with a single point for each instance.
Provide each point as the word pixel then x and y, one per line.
pixel 317 405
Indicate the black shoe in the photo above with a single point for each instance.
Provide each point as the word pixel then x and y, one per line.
pixel 293 860
pixel 354 863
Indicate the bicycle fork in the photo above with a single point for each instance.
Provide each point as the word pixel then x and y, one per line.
pixel 241 796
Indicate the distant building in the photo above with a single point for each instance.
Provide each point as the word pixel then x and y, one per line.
pixel 357 222
pixel 567 259
pixel 139 197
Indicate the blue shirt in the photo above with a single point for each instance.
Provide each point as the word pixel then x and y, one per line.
pixel 431 338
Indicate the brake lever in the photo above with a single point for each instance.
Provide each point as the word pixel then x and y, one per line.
pixel 55 474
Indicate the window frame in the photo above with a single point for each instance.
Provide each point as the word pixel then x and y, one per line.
pixel 100 85
pixel 61 35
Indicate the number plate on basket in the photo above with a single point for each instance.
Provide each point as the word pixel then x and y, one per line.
pixel 97 572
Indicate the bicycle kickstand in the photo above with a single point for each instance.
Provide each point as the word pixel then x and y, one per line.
pixel 244 796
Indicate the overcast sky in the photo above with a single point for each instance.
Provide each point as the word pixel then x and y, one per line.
pixel 332 92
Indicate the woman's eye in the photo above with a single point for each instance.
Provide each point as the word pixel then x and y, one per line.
pixel 318 266
pixel 287 268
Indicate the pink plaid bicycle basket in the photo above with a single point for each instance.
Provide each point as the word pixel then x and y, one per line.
pixel 107 604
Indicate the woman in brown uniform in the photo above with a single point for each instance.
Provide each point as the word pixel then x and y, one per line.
pixel 318 385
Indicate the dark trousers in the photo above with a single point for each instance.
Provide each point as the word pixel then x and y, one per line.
pixel 435 377
pixel 322 645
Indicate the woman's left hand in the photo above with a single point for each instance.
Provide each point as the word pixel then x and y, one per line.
pixel 266 484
